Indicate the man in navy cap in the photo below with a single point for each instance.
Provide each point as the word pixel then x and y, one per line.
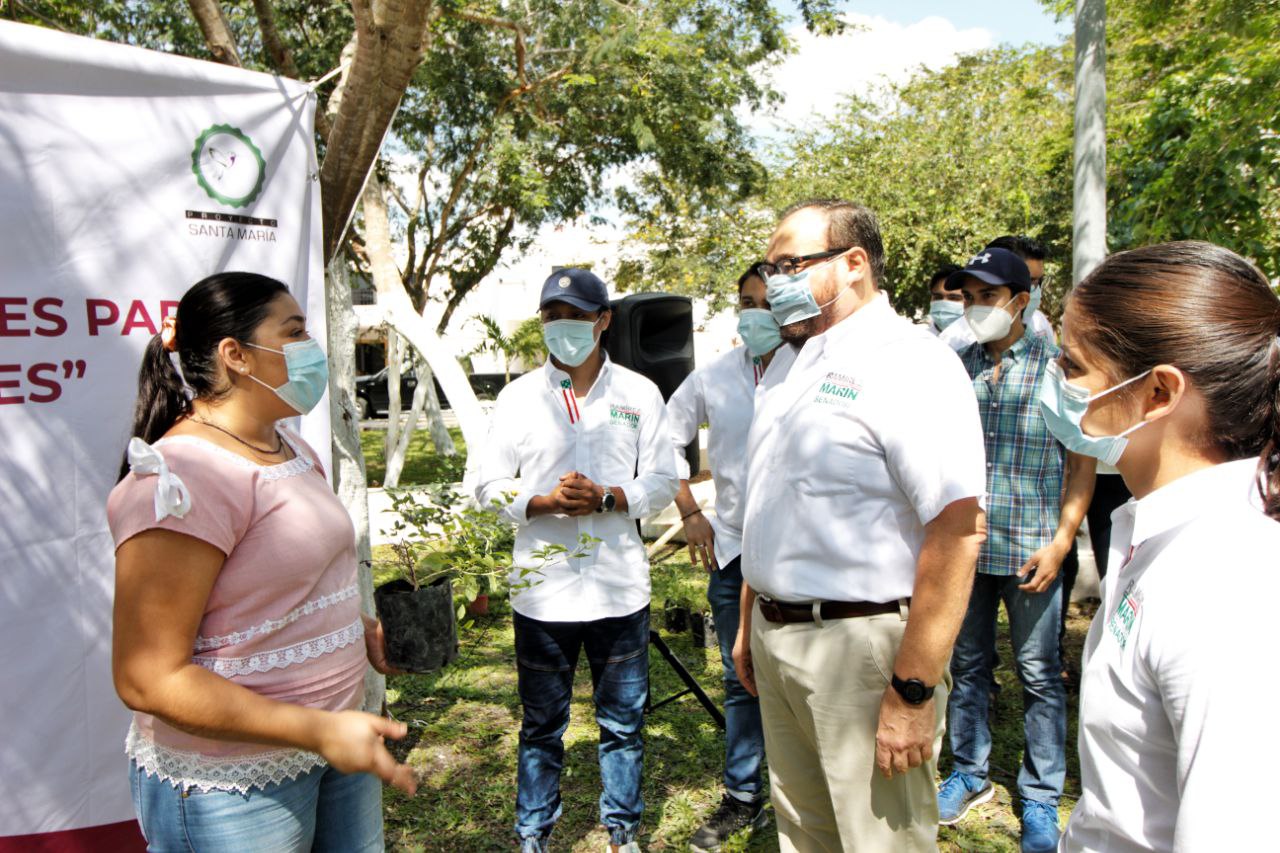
pixel 1032 518
pixel 584 447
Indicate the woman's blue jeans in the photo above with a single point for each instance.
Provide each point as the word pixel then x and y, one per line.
pixel 546 657
pixel 321 810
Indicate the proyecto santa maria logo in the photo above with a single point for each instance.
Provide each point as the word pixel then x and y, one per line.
pixel 228 165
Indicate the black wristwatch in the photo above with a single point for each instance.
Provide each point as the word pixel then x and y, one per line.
pixel 912 691
pixel 608 502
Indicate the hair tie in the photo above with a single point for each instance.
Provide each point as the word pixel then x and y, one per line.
pixel 169 333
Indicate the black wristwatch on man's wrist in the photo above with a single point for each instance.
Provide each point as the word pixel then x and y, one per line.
pixel 912 690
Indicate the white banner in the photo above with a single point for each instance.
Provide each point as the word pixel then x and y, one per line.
pixel 125 176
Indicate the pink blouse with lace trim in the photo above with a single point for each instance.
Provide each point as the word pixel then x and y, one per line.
pixel 283 618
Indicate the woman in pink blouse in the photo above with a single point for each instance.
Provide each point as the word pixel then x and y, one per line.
pixel 239 642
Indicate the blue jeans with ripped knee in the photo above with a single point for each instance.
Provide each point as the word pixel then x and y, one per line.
pixel 617 649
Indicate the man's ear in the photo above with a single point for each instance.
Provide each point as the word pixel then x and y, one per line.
pixel 857 263
pixel 606 317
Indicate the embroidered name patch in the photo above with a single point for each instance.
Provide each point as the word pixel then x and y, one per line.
pixel 1121 622
pixel 837 389
pixel 624 416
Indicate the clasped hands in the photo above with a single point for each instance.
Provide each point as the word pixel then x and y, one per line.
pixel 576 495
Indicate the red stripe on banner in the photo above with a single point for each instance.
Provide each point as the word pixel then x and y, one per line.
pixel 568 407
pixel 123 837
pixel 577 415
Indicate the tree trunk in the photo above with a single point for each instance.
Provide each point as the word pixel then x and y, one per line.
pixel 393 400
pixel 402 317
pixel 217 34
pixel 440 435
pixel 390 41
pixel 398 449
pixel 348 459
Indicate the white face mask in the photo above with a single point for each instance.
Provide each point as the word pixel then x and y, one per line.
pixel 989 322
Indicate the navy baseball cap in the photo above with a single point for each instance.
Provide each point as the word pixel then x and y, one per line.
pixel 580 288
pixel 993 266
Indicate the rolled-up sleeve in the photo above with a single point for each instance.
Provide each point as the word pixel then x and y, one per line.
pixel 499 472
pixel 656 479
pixel 686 412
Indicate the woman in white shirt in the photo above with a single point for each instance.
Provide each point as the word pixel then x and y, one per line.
pixel 1171 371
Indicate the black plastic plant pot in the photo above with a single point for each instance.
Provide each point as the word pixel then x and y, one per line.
pixel 420 625
pixel 675 617
pixel 703 628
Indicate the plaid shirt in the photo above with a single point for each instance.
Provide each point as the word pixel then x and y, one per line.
pixel 1024 461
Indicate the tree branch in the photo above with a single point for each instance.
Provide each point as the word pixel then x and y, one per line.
pixel 217 33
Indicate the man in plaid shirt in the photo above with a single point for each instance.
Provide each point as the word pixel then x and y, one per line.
pixel 1037 495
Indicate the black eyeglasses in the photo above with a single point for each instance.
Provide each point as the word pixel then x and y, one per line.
pixel 792 265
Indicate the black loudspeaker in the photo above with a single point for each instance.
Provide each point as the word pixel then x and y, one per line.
pixel 652 334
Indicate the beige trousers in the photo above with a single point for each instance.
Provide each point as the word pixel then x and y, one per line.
pixel 820 691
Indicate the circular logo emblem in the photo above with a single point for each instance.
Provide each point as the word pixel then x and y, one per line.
pixel 228 166
pixel 565 281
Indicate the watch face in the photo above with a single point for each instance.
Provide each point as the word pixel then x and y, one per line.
pixel 913 692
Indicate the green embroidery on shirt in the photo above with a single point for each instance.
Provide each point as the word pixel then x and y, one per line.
pixel 624 416
pixel 837 390
pixel 1121 622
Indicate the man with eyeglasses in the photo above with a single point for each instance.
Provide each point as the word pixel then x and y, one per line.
pixel 860 536
pixel 959 336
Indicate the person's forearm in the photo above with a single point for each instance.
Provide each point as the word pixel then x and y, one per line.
pixel 939 599
pixel 1076 497
pixel 205 704
pixel 746 601
pixel 685 502
pixel 541 505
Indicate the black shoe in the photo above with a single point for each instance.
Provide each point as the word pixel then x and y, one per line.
pixel 732 816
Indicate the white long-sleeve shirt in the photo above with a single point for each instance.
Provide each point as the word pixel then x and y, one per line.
pixel 859 440
pixel 721 395
pixel 617 435
pixel 1178 696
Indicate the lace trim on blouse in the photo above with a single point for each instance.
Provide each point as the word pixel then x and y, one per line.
pixel 281 658
pixel 239 773
pixel 270 626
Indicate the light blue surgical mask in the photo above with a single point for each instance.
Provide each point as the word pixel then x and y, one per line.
pixel 570 341
pixel 308 369
pixel 791 299
pixel 1063 406
pixel 1033 306
pixel 759 331
pixel 944 312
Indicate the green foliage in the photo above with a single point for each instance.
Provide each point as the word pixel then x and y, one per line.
pixel 1194 125
pixel 948 160
pixel 445 536
pixel 527 343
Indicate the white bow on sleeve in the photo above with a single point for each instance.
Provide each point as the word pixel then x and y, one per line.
pixel 172 497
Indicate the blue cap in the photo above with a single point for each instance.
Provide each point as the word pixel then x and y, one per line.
pixel 994 266
pixel 580 288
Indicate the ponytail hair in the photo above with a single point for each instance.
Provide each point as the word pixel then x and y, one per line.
pixel 1269 463
pixel 1210 313
pixel 224 305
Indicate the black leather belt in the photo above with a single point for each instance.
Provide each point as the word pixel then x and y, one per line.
pixel 782 611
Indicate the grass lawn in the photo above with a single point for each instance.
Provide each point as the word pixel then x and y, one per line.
pixel 463 736
pixel 422 465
